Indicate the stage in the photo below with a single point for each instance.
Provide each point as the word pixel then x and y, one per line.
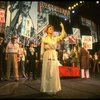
pixel 71 88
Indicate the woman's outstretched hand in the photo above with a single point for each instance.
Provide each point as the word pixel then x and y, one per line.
pixel 63 30
pixel 61 24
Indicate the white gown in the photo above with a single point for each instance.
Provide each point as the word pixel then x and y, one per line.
pixel 50 80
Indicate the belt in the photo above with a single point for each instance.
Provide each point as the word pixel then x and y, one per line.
pixel 12 53
pixel 51 59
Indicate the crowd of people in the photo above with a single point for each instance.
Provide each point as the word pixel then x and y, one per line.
pixel 43 60
pixel 18 60
pixel 73 58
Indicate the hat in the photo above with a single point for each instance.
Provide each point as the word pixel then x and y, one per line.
pixel 20 43
pixel 31 42
pixel 13 36
pixel 1 38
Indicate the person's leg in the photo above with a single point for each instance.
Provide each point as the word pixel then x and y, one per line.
pixel 9 61
pixel 87 73
pixel 23 69
pixel 33 72
pixel 28 70
pixel 15 67
pixel 82 73
pixel 19 68
pixel 94 67
pixel 0 70
pixel 39 69
pixel 4 68
pixel 98 65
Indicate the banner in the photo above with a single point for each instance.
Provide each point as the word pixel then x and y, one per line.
pixel 88 40
pixel 92 27
pixel 26 27
pixel 71 39
pixel 21 19
pixel 2 16
pixel 76 33
pixel 53 8
pixel 94 32
pixel 2 20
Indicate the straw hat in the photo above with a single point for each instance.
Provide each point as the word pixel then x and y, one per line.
pixel 1 38
pixel 20 43
pixel 13 36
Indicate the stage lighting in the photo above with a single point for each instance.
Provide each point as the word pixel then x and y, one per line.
pixel 80 1
pixel 97 2
pixel 73 11
pixel 69 8
pixel 72 7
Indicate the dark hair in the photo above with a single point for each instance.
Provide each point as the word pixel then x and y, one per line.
pixel 31 42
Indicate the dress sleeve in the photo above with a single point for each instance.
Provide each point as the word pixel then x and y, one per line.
pixel 7 48
pixel 42 47
pixel 61 36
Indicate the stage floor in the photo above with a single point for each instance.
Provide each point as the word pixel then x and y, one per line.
pixel 72 88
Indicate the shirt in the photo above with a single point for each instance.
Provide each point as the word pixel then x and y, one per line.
pixel 12 48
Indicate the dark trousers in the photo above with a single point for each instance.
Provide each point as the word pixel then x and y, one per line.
pixel 2 68
pixel 31 68
pixel 39 69
pixel 21 68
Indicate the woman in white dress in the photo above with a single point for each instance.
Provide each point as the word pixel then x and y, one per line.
pixel 50 80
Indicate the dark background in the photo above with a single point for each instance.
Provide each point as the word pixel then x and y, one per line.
pixel 88 9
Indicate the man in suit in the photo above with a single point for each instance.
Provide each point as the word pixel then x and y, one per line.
pixel 31 60
pixel 2 59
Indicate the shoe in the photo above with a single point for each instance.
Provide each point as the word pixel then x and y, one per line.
pixel 35 78
pixel 6 80
pixel 87 78
pixel 25 77
pixel 28 78
pixel 51 93
pixel 16 80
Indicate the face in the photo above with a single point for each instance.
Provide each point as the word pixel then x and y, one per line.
pixel 1 40
pixel 50 30
pixel 20 45
pixel 13 40
pixel 75 49
pixel 31 45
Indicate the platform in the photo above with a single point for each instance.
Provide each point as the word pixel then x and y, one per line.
pixel 68 71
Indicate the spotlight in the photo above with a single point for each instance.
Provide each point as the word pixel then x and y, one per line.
pixel 72 7
pixel 73 11
pixel 76 4
pixel 65 19
pixel 69 8
pixel 80 1
pixel 97 2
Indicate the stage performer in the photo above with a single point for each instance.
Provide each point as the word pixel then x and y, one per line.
pixel 50 79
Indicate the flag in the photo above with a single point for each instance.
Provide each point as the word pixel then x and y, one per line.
pixel 72 39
